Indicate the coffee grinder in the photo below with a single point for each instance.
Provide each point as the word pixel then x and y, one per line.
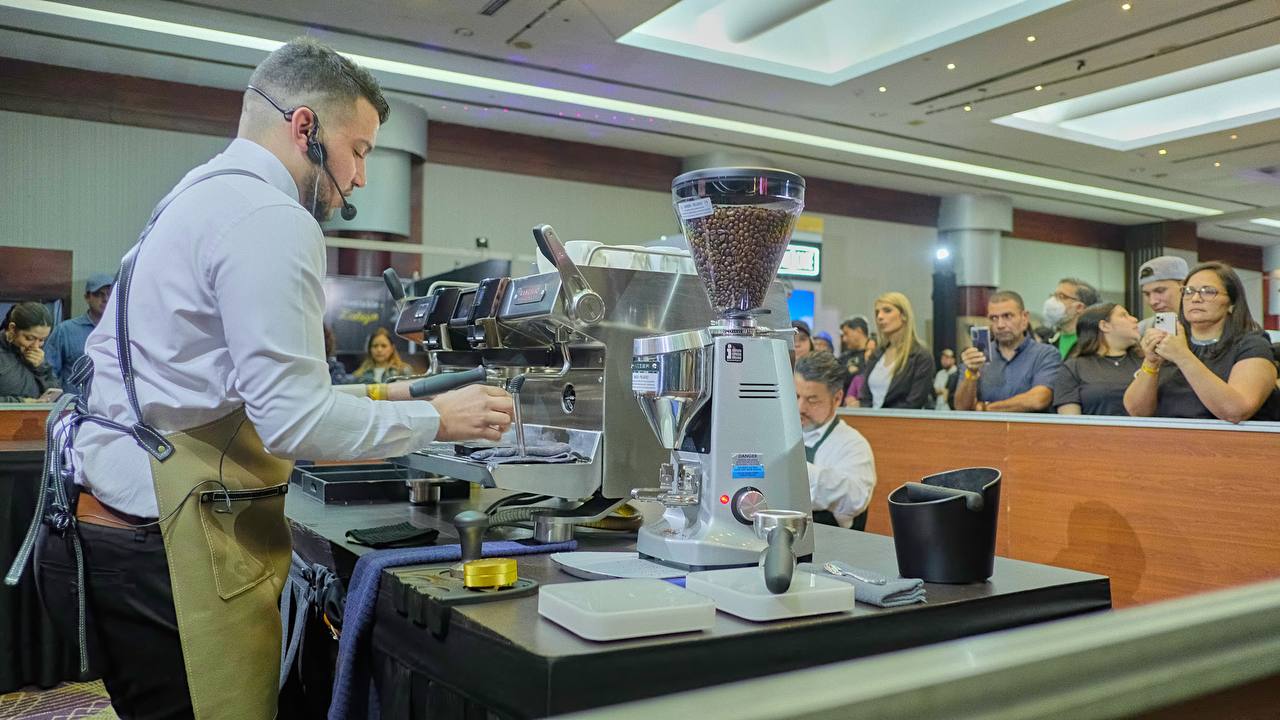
pixel 722 399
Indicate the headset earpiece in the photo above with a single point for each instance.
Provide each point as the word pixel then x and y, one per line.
pixel 315 150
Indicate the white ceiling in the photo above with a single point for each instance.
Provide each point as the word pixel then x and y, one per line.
pixel 1081 47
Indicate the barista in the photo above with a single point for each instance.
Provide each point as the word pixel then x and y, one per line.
pixel 842 470
pixel 222 357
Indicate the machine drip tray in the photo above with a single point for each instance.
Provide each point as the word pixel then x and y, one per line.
pixel 360 484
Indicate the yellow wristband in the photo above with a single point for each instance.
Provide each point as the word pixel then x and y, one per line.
pixel 970 375
pixel 1148 369
pixel 377 391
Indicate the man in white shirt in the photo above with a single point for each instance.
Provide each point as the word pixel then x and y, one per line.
pixel 224 316
pixel 842 470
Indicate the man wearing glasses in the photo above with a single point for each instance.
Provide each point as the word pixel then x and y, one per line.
pixel 1017 374
pixel 1063 309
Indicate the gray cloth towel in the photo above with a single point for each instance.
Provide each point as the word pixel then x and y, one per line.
pixel 894 593
pixel 546 453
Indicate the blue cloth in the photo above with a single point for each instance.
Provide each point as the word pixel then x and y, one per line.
pixel 1033 364
pixel 352 682
pixel 65 346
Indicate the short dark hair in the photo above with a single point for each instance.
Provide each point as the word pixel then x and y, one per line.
pixel 857 322
pixel 305 71
pixel 1087 293
pixel 1240 320
pixel 27 315
pixel 1006 296
pixel 822 367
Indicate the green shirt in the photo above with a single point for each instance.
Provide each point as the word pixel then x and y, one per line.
pixel 1065 343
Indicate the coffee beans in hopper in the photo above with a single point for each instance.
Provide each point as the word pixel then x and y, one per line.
pixel 737 250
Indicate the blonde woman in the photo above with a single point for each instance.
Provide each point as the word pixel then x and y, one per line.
pixel 382 362
pixel 900 373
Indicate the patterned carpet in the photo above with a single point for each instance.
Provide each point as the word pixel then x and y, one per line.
pixel 83 701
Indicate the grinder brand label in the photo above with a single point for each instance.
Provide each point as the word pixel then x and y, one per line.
pixel 690 209
pixel 644 376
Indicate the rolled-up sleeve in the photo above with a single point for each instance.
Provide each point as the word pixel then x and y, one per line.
pixel 266 272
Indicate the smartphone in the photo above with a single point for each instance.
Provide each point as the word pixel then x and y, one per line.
pixel 980 338
pixel 1167 322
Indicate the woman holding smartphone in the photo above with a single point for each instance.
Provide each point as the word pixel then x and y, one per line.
pixel 1100 367
pixel 1218 363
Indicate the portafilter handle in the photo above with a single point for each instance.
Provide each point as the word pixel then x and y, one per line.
pixel 583 304
pixel 781 529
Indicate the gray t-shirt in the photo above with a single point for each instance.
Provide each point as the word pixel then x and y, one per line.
pixel 1177 399
pixel 1096 383
pixel 1033 364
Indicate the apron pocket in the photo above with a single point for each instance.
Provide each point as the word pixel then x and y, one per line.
pixel 245 539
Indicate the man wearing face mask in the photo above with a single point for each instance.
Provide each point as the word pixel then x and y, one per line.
pixel 209 376
pixel 842 470
pixel 1063 309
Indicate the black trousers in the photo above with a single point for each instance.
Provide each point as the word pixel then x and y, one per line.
pixel 132 627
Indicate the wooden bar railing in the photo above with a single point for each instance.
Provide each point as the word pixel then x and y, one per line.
pixel 1163 510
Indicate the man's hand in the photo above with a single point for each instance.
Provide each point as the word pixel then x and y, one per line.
pixel 473 412
pixel 50 395
pixel 34 356
pixel 973 358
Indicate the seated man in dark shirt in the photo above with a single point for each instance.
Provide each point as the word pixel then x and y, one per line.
pixel 1020 372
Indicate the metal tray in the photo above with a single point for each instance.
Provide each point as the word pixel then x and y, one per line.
pixel 358 484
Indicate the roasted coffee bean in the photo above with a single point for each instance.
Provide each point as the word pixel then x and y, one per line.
pixel 737 250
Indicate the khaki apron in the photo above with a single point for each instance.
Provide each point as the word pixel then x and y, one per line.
pixel 228 548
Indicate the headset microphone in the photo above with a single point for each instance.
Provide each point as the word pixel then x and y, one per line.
pixel 317 154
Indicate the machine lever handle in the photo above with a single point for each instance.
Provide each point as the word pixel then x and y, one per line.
pixel 583 304
pixel 394 286
pixel 445 382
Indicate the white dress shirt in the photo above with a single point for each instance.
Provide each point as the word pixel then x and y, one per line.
pixel 843 472
pixel 226 310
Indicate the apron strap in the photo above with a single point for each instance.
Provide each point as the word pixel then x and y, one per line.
pixel 147 437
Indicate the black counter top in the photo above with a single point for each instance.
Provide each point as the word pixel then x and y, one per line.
pixel 505 657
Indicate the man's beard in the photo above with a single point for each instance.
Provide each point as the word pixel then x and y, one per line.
pixel 319 209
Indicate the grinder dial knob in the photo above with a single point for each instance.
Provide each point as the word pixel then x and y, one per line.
pixel 746 502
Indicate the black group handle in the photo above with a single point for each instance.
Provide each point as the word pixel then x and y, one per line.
pixel 392 279
pixel 445 382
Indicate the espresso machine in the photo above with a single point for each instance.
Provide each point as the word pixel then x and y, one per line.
pixel 721 398
pixel 561 343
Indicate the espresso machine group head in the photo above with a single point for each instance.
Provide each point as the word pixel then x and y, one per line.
pixel 722 399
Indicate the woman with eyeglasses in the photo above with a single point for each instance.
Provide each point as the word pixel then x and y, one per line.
pixel 1219 364
pixel 1100 366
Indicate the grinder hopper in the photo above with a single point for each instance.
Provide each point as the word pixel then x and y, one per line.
pixel 737 221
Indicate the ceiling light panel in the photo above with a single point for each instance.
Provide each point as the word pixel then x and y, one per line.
pixel 395 72
pixel 1232 92
pixel 823 42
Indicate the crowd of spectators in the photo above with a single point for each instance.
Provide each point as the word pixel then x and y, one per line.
pixel 1208 358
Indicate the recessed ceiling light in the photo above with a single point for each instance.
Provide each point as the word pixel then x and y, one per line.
pixel 1266 221
pixel 967 108
pixel 1031 38
pixel 1217 164
pixel 1162 151
pixel 1039 88
pixel 718 123
pixel 1233 137
pixel 951 66
pixel 1125 6
pixel 884 89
